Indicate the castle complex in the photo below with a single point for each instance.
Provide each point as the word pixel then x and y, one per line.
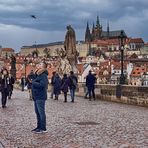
pixel 97 32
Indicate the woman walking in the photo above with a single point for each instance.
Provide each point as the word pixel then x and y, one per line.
pixel 57 86
pixel 4 81
pixel 64 86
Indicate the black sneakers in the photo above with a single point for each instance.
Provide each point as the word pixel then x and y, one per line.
pixel 38 131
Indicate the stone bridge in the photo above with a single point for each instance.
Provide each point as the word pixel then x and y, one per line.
pixel 83 124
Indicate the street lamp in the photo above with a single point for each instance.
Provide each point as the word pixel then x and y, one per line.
pixel 25 63
pixel 122 39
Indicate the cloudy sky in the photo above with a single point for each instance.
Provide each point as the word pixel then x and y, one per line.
pixel 17 28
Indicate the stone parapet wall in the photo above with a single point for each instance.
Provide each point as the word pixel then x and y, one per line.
pixel 129 94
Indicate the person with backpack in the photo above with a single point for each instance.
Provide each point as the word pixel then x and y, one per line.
pixel 29 80
pixel 72 85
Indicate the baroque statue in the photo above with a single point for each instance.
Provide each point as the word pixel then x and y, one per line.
pixel 68 55
pixel 70 45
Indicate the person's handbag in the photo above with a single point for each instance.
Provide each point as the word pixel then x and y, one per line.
pixel 25 88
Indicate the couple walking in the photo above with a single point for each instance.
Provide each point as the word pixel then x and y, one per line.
pixel 63 84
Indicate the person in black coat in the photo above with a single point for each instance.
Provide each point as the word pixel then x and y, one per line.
pixel 52 84
pixel 64 86
pixel 72 83
pixel 10 85
pixel 90 84
pixel 57 86
pixel 23 83
pixel 4 81
pixel 29 80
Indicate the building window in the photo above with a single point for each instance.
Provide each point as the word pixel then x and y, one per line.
pixel 133 47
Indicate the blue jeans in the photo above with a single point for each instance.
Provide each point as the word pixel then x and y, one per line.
pixel 87 92
pixel 91 92
pixel 52 91
pixel 72 93
pixel 40 113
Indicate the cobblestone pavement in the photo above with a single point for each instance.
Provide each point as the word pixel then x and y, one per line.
pixel 83 124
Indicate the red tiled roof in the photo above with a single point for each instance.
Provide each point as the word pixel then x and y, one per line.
pixel 7 49
pixel 80 68
pixel 135 40
pixel 21 70
pixel 137 71
pixel 106 42
pixel 100 42
pixel 113 41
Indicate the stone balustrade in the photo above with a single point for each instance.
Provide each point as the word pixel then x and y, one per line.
pixel 136 95
pixel 119 93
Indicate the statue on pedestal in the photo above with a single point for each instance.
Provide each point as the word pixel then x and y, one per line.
pixel 68 55
pixel 70 47
pixel 64 65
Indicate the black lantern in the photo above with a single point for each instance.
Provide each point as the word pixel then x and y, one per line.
pixel 122 40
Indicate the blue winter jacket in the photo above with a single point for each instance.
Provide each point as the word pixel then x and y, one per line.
pixel 40 86
pixel 90 81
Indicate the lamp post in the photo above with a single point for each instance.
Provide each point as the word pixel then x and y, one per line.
pixel 25 63
pixel 122 39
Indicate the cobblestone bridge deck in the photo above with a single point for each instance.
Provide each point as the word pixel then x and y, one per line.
pixel 83 124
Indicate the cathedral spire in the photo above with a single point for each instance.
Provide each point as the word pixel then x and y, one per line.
pixel 93 28
pixel 93 32
pixel 87 34
pixel 98 21
pixel 108 29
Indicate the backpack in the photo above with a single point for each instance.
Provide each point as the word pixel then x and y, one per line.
pixel 74 82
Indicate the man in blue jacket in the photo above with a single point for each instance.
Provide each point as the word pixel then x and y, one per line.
pixel 90 84
pixel 39 93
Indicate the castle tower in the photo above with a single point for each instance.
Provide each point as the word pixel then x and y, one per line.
pixel 98 29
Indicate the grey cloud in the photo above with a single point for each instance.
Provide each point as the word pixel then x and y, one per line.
pixel 55 15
